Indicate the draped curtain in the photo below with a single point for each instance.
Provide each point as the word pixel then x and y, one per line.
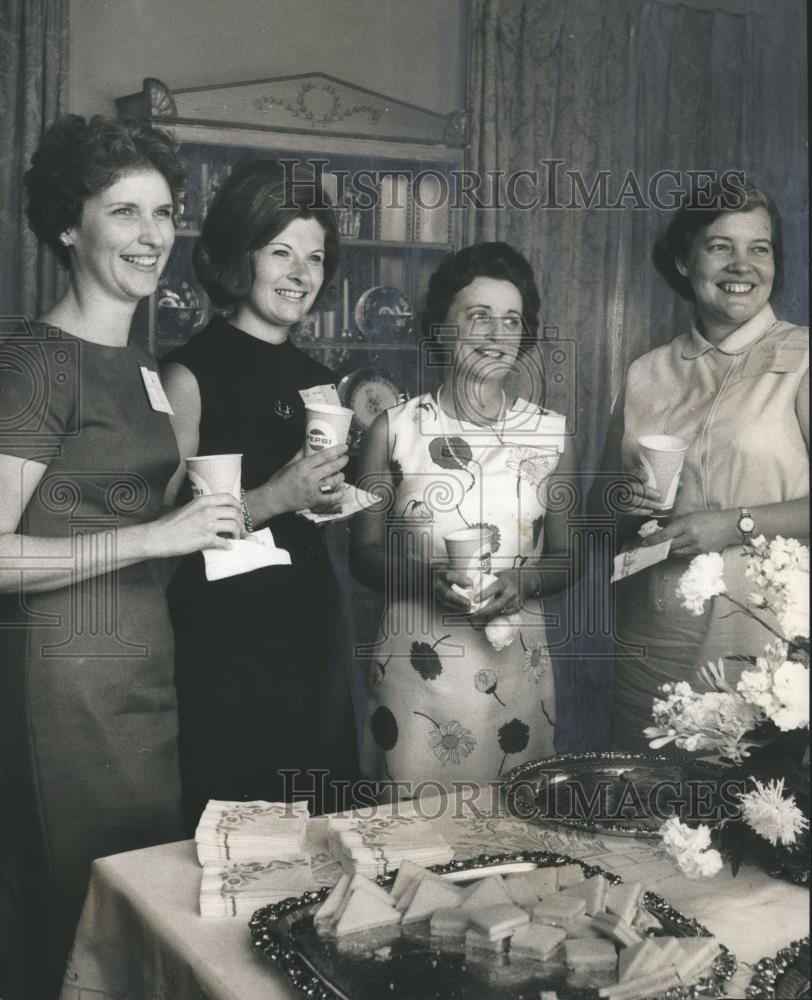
pixel 34 46
pixel 630 88
pixel 614 92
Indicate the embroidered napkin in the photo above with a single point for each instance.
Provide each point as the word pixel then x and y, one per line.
pixel 354 500
pixel 245 555
pixel 377 846
pixel 250 831
pixel 239 888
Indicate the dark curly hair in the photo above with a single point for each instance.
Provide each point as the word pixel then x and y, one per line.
pixel 257 201
pixel 482 260
pixel 77 159
pixel 695 215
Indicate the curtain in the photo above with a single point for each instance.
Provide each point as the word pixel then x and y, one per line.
pixel 630 88
pixel 612 93
pixel 34 45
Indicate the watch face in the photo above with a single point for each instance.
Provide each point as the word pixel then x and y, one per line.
pixel 746 524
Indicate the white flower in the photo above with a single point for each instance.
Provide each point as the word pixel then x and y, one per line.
pixel 794 612
pixel 791 685
pixel 772 815
pixel 690 848
pixel 502 630
pixel 702 580
pixel 713 720
pixel 780 572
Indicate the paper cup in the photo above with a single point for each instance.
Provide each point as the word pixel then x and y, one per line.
pixel 469 549
pixel 661 456
pixel 326 426
pixel 215 474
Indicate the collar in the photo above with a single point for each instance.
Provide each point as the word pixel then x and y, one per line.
pixel 738 342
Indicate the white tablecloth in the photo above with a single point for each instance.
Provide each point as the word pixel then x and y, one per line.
pixel 141 936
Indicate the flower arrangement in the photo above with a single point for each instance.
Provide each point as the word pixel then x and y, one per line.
pixel 758 728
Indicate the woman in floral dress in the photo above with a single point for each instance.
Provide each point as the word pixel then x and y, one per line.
pixel 446 704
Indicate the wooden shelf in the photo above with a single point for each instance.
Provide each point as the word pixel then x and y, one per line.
pixel 337 344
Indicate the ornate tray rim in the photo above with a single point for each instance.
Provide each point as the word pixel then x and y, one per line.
pixel 307 979
pixel 767 971
pixel 520 773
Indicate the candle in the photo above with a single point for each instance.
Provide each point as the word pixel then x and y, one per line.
pixel 345 325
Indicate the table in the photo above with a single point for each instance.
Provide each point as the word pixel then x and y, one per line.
pixel 141 936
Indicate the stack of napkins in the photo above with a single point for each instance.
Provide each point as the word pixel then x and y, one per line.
pixel 374 848
pixel 250 831
pixel 253 854
pixel 238 889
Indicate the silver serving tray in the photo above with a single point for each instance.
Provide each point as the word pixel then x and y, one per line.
pixel 405 966
pixel 620 794
pixel 785 977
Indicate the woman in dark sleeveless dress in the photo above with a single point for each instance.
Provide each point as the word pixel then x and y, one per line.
pixel 260 664
pixel 88 724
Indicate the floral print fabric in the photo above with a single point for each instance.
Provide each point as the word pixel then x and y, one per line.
pixel 445 705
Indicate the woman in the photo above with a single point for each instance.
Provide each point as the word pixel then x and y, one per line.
pixel 89 718
pixel 445 704
pixel 261 669
pixel 735 387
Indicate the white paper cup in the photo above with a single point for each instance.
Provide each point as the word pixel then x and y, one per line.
pixel 215 474
pixel 326 426
pixel 661 456
pixel 469 549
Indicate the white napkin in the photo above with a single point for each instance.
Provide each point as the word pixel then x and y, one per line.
pixel 237 889
pixel 245 555
pixel 250 831
pixel 353 501
pixel 375 847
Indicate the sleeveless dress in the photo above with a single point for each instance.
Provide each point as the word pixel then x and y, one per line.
pixel 735 404
pixel 445 705
pixel 261 670
pixel 88 723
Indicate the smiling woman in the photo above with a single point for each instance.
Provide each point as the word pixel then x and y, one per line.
pixel 261 676
pixel 735 389
pixel 88 763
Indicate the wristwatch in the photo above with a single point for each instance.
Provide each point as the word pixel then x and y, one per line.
pixel 746 525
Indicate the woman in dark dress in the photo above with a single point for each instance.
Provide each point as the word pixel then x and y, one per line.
pixel 88 723
pixel 260 669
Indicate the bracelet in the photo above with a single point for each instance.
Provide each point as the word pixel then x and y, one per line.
pixel 248 521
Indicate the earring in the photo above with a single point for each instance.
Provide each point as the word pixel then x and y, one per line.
pixel 64 239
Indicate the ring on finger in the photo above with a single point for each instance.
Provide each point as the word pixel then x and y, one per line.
pixel 325 487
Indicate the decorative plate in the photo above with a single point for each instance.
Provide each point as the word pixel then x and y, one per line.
pixel 785 977
pixel 405 966
pixel 179 309
pixel 369 391
pixel 384 313
pixel 625 794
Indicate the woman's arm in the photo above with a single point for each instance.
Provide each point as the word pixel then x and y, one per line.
pixel 372 561
pixel 714 530
pixel 294 487
pixel 49 563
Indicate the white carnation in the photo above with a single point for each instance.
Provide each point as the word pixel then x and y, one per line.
pixel 703 579
pixel 690 848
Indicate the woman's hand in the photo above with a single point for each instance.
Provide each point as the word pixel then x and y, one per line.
pixel 698 532
pixel 313 482
pixel 445 598
pixel 503 597
pixel 642 497
pixel 198 525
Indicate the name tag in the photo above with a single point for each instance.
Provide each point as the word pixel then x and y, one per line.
pixel 155 391
pixel 763 358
